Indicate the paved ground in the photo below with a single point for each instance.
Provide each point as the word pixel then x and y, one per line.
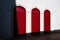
pixel 38 36
pixel 54 36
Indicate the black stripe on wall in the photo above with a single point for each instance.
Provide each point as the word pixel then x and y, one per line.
pixel 6 18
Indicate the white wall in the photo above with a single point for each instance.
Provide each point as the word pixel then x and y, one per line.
pixel 52 5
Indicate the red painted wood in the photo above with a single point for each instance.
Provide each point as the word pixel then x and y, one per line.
pixel 21 19
pixel 35 20
pixel 46 20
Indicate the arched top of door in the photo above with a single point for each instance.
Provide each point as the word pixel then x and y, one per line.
pixel 46 12
pixel 35 10
pixel 20 9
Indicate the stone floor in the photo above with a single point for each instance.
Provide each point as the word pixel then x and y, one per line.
pixel 54 36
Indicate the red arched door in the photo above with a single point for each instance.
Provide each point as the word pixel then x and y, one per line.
pixel 35 20
pixel 46 20
pixel 21 19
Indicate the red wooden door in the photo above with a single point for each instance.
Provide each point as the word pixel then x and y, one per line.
pixel 21 19
pixel 35 20
pixel 46 20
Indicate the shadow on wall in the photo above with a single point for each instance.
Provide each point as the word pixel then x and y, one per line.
pixel 6 18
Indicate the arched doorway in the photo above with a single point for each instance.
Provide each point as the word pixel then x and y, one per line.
pixel 46 21
pixel 35 20
pixel 21 19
